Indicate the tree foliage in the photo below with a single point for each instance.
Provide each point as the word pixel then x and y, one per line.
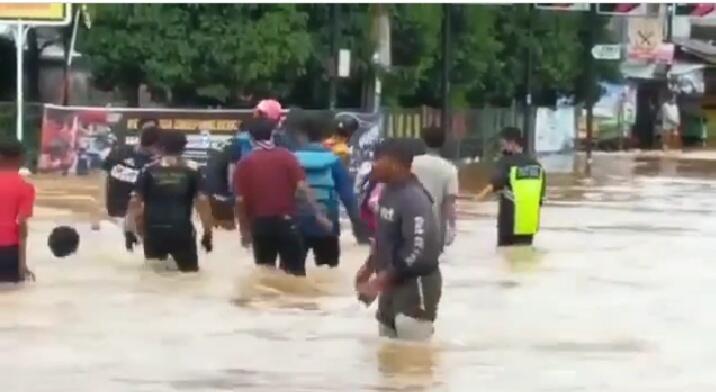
pixel 198 53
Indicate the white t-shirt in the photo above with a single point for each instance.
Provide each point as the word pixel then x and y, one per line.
pixel 439 177
pixel 670 118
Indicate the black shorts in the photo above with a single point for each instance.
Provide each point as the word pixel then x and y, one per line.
pixel 160 243
pixel 278 237
pixel 326 250
pixel 10 264
pixel 514 240
pixel 222 209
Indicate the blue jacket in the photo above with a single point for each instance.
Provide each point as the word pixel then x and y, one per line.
pixel 315 155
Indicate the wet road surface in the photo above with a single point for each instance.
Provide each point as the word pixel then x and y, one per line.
pixel 616 296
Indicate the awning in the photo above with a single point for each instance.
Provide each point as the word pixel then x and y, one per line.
pixel 703 49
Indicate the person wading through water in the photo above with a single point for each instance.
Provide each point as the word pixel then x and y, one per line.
pixel 122 167
pixel 269 184
pixel 403 270
pixel 166 192
pixel 521 183
pixel 330 182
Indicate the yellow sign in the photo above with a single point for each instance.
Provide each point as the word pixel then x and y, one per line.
pixel 34 12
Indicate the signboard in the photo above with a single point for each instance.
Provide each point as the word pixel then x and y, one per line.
pixel 344 63
pixel 607 52
pixel 623 9
pixel 646 36
pixel 71 132
pixel 35 13
pixel 697 10
pixel 563 6
pixel 554 130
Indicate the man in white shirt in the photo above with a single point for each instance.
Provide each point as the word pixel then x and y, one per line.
pixel 670 122
pixel 440 178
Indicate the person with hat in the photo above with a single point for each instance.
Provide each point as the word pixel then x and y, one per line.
pixel 344 127
pixel 269 184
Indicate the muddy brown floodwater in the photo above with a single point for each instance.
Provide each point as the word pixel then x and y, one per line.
pixel 617 295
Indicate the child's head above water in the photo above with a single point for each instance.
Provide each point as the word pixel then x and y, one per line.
pixel 11 154
pixel 63 241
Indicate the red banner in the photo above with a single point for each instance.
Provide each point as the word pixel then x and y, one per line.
pixel 73 134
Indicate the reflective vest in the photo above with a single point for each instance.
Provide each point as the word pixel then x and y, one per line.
pixel 526 184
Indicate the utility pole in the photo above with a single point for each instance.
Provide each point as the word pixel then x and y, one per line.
pixel 669 21
pixel 333 57
pixel 589 83
pixel 445 76
pixel 527 119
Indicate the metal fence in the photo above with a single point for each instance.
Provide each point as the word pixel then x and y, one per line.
pixel 473 133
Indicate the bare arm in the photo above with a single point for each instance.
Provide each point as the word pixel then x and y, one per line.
pixel 23 249
pixel 486 191
pixel 449 208
pixel 135 214
pixel 305 193
pixel 203 208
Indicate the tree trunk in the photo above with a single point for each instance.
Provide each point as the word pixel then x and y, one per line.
pixel 66 76
pixel 131 94
pixel 33 66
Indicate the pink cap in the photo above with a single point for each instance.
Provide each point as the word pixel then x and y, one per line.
pixel 270 108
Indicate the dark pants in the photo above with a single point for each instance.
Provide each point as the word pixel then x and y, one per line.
pixel 10 264
pixel 278 236
pixel 326 250
pixel 417 298
pixel 180 244
pixel 514 240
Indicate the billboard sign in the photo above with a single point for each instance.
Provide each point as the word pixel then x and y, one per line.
pixel 35 13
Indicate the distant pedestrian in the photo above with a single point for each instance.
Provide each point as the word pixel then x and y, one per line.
pixel 670 123
pixel 440 179
pixel 220 170
pixel 403 271
pixel 17 199
pixel 344 127
pixel 122 167
pixel 521 183
pixel 267 184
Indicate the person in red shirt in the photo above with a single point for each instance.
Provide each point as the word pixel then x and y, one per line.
pixel 16 204
pixel 267 184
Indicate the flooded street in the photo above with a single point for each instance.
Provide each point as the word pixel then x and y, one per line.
pixel 616 296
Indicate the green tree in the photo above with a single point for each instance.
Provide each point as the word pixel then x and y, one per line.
pixel 197 53
pixel 216 54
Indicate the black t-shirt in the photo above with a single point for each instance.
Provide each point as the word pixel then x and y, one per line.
pixel 501 183
pixel 123 166
pixel 168 193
